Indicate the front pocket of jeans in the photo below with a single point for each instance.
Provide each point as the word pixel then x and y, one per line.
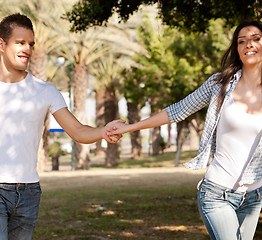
pixel 209 193
pixel 210 200
pixel 35 190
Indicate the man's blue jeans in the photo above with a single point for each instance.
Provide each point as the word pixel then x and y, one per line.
pixel 19 205
pixel 228 214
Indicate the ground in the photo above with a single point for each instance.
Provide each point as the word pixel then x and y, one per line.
pixel 109 177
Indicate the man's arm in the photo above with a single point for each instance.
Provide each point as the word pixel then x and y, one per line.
pixel 84 133
pixel 156 120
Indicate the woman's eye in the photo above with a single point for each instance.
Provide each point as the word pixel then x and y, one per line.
pixel 257 39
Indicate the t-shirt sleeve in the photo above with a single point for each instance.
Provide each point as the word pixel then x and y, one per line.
pixel 57 100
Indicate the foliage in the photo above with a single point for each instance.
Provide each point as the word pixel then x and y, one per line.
pixel 175 62
pixel 106 70
pixel 55 150
pixel 191 15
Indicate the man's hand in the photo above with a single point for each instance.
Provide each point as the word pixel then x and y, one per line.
pixel 108 134
pixel 118 127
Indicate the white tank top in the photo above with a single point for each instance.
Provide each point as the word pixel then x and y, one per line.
pixel 238 135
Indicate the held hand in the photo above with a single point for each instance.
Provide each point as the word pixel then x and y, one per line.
pixel 118 127
pixel 107 131
pixel 113 138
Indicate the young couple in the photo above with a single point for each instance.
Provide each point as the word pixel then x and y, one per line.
pixel 230 195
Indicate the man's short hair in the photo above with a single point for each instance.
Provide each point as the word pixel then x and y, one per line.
pixel 10 22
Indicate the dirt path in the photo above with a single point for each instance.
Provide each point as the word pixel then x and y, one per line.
pixel 119 177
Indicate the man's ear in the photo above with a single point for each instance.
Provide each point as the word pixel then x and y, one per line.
pixel 2 43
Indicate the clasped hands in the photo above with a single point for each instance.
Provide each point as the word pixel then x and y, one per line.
pixel 113 130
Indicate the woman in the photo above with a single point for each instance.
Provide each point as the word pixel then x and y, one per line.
pixel 230 195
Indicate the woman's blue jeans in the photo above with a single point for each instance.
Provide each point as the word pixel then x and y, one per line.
pixel 228 214
pixel 19 204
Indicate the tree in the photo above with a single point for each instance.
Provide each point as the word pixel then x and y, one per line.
pixel 134 115
pixel 192 15
pixel 47 41
pixel 123 45
pixel 83 49
pixel 134 95
pixel 175 63
pixel 107 73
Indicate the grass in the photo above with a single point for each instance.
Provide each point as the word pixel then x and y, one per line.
pixel 124 212
pixel 165 160
pixel 120 213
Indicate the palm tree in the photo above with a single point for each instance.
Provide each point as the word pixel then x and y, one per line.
pixel 83 49
pixel 134 115
pixel 108 80
pixel 48 40
pixel 122 40
pixel 100 114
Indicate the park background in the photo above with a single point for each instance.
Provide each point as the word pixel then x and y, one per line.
pixel 125 59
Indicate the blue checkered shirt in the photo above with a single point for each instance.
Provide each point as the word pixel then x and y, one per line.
pixel 207 94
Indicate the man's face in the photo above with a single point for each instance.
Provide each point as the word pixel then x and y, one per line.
pixel 17 51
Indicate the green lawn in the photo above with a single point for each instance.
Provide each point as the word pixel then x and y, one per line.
pixel 128 211
pixel 165 160
pixel 120 213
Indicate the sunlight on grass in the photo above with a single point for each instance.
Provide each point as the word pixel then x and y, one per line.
pixel 165 160
pixel 127 234
pixel 181 228
pixel 133 221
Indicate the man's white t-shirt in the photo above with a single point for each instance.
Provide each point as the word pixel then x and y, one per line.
pixel 23 107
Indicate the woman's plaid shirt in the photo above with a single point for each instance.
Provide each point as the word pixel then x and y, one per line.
pixel 207 94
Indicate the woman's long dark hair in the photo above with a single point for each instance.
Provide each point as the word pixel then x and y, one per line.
pixel 231 62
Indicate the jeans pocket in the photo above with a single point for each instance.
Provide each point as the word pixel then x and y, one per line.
pixel 210 200
pixel 208 191
pixel 35 190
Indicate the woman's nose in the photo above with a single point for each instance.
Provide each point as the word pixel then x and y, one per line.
pixel 249 43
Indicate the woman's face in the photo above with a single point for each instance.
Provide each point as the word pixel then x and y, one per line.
pixel 250 46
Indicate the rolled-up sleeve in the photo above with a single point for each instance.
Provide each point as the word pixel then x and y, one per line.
pixel 193 102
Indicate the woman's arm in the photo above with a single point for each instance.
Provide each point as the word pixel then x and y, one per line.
pixel 156 120
pixel 174 113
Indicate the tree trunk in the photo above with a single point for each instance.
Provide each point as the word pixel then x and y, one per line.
pixel 168 145
pixel 134 115
pixel 80 84
pixel 156 141
pixel 55 163
pixel 111 113
pixel 179 142
pixel 194 139
pixel 156 133
pixel 100 117
pixel 37 67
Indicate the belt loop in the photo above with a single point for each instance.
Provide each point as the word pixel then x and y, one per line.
pixel 200 183
pixel 225 195
pixel 258 194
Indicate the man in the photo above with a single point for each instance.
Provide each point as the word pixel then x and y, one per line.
pixel 24 102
